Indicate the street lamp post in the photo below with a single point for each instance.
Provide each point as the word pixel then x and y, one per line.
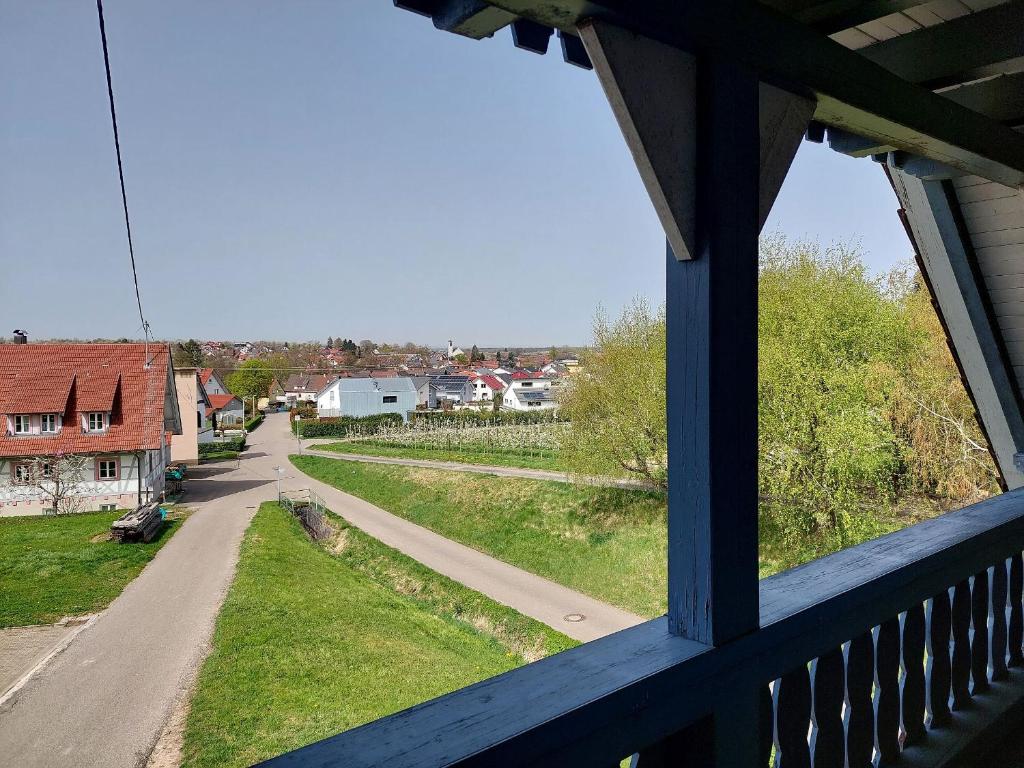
pixel 280 471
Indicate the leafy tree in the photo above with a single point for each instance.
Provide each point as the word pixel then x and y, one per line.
pixel 860 404
pixel 616 406
pixel 330 343
pixel 475 354
pixel 189 354
pixel 251 379
pixel 460 358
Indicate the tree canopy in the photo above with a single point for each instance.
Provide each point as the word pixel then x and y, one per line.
pixel 860 402
pixel 251 379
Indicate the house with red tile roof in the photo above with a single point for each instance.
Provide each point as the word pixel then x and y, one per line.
pixel 225 411
pixel 213 382
pixel 486 387
pixel 114 404
pixel 304 386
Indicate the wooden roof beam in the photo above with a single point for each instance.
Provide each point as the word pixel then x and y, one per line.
pixel 955 51
pixel 835 15
pixel 852 92
pixel 470 18
pixel 1000 98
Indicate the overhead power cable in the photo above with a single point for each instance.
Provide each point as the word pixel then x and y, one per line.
pixel 120 166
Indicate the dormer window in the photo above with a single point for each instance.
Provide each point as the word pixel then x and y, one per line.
pixel 48 423
pixel 97 421
pixel 22 424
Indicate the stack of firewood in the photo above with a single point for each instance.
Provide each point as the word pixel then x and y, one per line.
pixel 141 524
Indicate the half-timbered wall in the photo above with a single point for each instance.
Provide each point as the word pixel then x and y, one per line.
pixel 122 492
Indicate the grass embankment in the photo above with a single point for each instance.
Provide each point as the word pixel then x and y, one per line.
pixel 606 542
pixel 313 640
pixel 495 458
pixel 51 567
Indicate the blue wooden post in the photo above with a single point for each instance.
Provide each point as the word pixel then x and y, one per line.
pixel 711 306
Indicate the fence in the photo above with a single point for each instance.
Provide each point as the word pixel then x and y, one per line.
pixel 310 509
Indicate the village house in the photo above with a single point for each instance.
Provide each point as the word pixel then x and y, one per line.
pixel 453 390
pixel 114 407
pixel 224 408
pixel 212 382
pixel 422 385
pixel 196 427
pixel 304 387
pixel 486 387
pixel 366 397
pixel 225 411
pixel 528 391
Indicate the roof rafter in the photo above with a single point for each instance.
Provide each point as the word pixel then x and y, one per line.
pixel 852 92
pixel 831 16
pixel 955 51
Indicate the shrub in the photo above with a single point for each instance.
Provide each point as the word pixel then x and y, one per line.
pixel 342 426
pixel 234 444
pixel 254 422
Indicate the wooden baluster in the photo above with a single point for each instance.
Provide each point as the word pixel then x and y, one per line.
pixel 767 724
pixel 860 712
pixel 938 677
pixel 979 635
pixel 1015 632
pixel 998 640
pixel 792 717
pixel 828 742
pixel 960 620
pixel 887 692
pixel 912 700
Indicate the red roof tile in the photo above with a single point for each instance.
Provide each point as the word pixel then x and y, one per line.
pixel 219 401
pixel 96 390
pixel 492 381
pixel 205 374
pixel 34 392
pixel 35 377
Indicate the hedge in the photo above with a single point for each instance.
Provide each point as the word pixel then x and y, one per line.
pixel 343 425
pixel 254 422
pixel 234 444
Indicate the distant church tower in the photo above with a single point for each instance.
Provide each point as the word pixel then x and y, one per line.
pixel 451 350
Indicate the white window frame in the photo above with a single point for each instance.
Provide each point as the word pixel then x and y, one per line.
pixel 100 469
pixel 48 423
pixel 22 424
pixel 93 418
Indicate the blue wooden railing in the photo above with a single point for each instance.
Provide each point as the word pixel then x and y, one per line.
pixel 903 650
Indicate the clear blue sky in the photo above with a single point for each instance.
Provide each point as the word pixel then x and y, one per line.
pixel 304 169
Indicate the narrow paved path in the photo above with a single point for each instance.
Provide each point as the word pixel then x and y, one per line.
pixel 104 700
pixel 480 469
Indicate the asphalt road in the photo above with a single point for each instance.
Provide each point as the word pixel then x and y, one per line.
pixel 104 700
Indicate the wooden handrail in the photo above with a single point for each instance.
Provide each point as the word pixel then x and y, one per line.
pixel 602 701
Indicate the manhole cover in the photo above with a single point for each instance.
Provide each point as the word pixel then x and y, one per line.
pixel 574 617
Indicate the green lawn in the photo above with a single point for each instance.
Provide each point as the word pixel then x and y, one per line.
pixel 464 455
pixel 313 640
pixel 51 567
pixel 605 542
